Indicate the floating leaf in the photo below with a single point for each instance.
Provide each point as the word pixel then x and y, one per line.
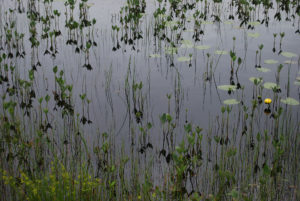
pixel 184 59
pixel 154 55
pixel 227 87
pixel 231 102
pixel 290 101
pixel 270 85
pixel 271 61
pixel 255 23
pixel 206 22
pixel 189 30
pixel 202 47
pixel 228 22
pixel 297 83
pixel 162 15
pixel 238 27
pixel 171 50
pixel 288 54
pixel 89 5
pixel 171 23
pixel 264 70
pixel 258 79
pixel 220 52
pixel 254 35
pixel 190 18
pixel 187 44
pixel 290 62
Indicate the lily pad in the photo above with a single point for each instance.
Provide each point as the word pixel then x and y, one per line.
pixel 254 35
pixel 290 62
pixel 228 22
pixel 184 59
pixel 297 83
pixel 263 70
pixel 162 15
pixel 238 27
pixel 231 102
pixel 202 47
pixel 227 87
pixel 189 30
pixel 255 23
pixel 171 50
pixel 271 61
pixel 190 18
pixel 171 23
pixel 270 85
pixel 258 79
pixel 186 44
pixel 206 22
pixel 155 55
pixel 221 52
pixel 89 5
pixel 288 54
pixel 290 101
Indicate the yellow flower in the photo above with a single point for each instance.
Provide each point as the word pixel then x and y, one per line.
pixel 268 100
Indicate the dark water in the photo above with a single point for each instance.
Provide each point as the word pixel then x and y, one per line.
pixel 199 101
